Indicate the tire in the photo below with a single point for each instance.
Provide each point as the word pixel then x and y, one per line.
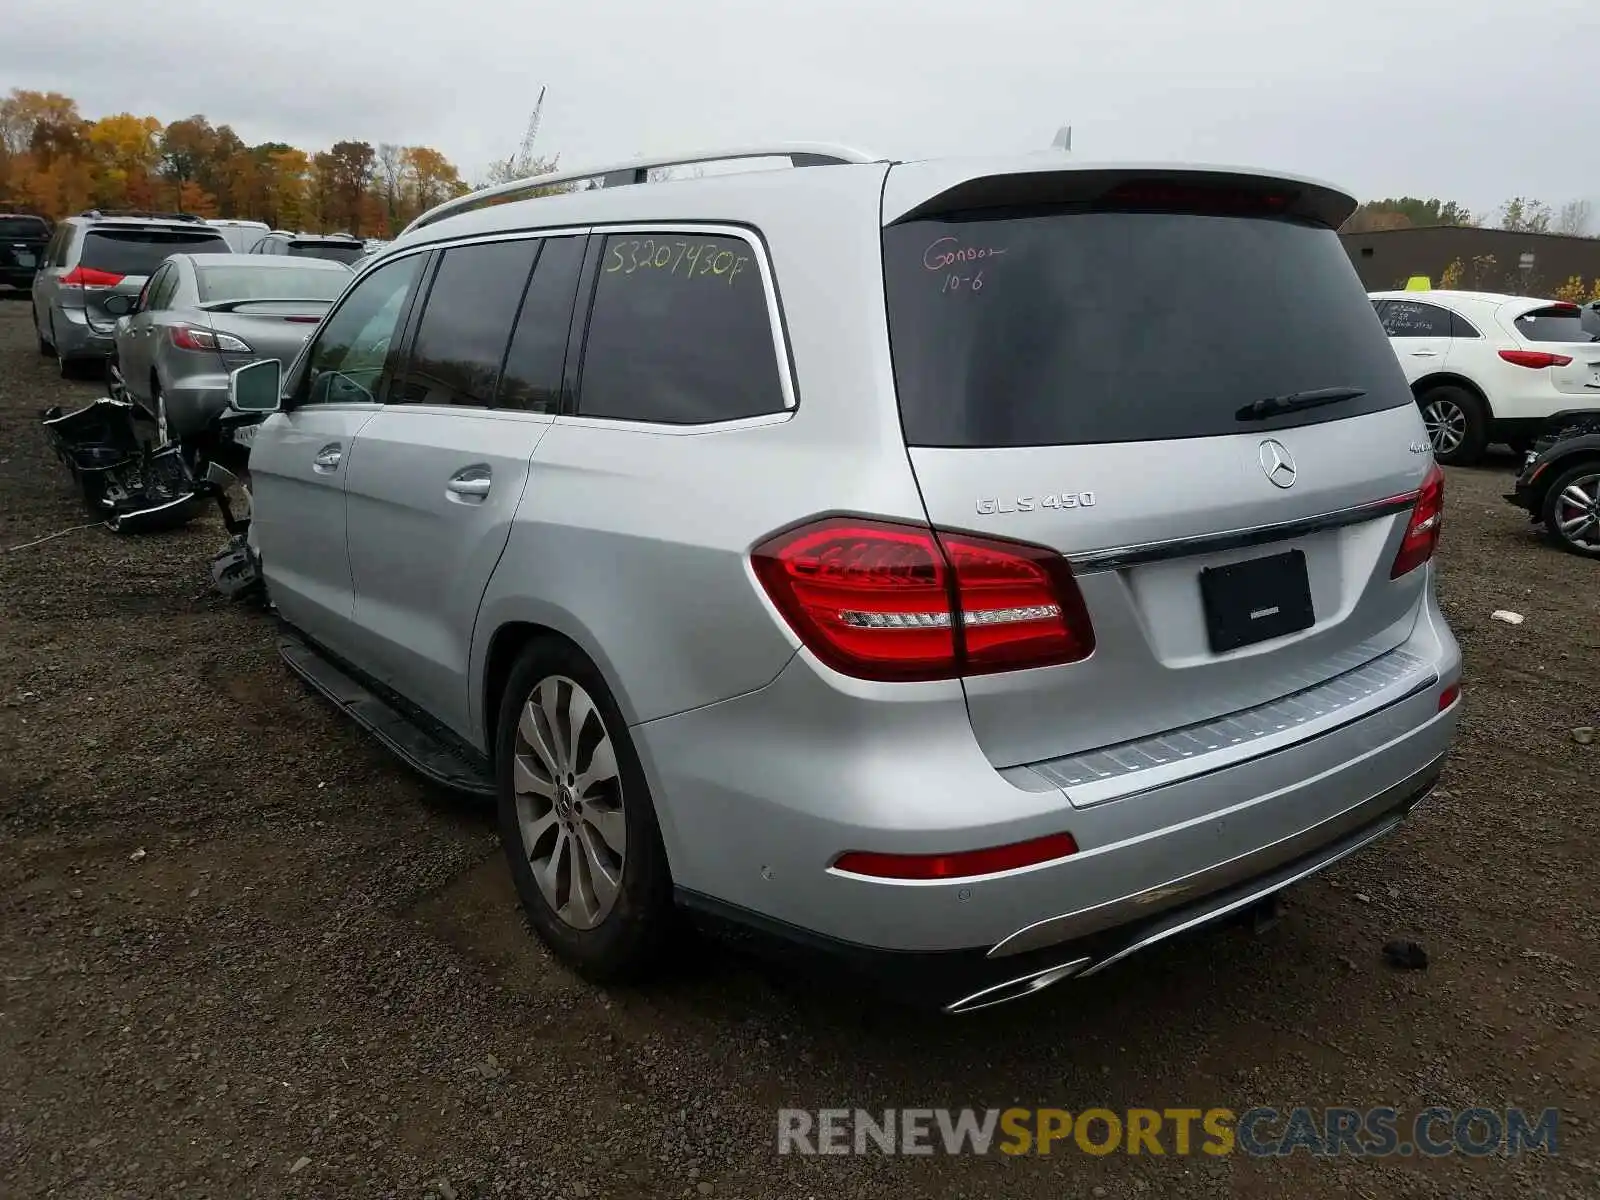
pixel 1458 424
pixel 559 858
pixel 1571 509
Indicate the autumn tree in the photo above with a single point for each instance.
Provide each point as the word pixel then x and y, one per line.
pixel 1522 215
pixel 54 161
pixel 1405 212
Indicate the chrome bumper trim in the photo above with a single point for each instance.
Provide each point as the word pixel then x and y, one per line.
pixel 1377 815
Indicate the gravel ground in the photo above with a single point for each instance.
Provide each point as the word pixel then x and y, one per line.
pixel 243 952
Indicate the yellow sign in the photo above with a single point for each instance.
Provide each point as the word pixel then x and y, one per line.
pixel 1419 283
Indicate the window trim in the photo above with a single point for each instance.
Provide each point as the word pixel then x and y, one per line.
pixel 783 358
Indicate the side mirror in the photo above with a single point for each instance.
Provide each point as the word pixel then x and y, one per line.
pixel 120 304
pixel 256 388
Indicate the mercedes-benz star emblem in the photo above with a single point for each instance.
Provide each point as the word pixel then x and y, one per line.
pixel 1277 463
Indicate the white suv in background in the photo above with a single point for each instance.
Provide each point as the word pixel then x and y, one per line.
pixel 1489 368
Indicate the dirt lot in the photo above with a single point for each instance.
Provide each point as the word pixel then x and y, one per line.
pixel 243 952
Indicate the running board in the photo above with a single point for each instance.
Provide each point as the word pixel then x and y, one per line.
pixel 429 754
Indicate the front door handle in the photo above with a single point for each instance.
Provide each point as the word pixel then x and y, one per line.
pixel 328 458
pixel 1424 354
pixel 470 482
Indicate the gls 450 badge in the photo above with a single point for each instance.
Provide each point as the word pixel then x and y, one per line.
pixel 988 505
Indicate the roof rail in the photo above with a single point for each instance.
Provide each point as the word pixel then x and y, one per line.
pixel 138 212
pixel 799 154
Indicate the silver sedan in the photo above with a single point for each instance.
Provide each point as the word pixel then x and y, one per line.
pixel 201 316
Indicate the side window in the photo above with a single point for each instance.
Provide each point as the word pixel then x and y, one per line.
pixel 1413 319
pixel 143 302
pixel 1459 327
pixel 165 284
pixel 532 377
pixel 347 360
pixel 466 323
pixel 679 332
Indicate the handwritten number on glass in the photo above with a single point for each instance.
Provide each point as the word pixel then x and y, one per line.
pixel 947 254
pixel 676 258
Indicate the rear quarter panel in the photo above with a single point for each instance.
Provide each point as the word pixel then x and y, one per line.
pixel 633 541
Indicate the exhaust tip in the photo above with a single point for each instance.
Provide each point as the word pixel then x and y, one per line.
pixel 1016 989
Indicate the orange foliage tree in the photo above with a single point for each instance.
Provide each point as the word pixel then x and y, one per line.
pixel 54 161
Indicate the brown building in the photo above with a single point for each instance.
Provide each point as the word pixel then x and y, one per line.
pixel 1492 260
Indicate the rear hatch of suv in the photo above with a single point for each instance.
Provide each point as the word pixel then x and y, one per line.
pixel 1176 382
pixel 118 258
pixel 1557 340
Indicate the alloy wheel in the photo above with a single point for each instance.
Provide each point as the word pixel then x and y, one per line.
pixel 569 801
pixel 1577 512
pixel 1446 424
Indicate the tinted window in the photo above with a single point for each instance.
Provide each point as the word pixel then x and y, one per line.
pixel 1460 327
pixel 679 333
pixel 347 360
pixel 270 283
pixel 140 251
pixel 466 324
pixel 1555 324
pixel 29 229
pixel 532 378
pixel 163 286
pixel 334 251
pixel 1413 319
pixel 1062 327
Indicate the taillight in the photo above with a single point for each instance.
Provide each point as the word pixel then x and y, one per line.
pixel 88 277
pixel 1536 359
pixel 1449 696
pixel 191 337
pixel 879 600
pixel 961 865
pixel 1422 532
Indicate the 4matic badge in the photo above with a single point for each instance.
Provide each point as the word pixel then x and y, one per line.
pixel 988 505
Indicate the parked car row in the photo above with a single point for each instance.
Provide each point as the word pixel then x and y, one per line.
pixel 825 554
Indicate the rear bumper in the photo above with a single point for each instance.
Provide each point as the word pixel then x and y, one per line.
pixel 75 338
pixel 194 403
pixel 960 981
pixel 759 795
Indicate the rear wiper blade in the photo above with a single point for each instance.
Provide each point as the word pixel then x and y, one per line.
pixel 1272 406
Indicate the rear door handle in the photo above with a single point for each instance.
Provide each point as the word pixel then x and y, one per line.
pixel 1424 354
pixel 471 482
pixel 328 458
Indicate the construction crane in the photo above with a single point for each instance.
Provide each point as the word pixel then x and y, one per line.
pixel 520 164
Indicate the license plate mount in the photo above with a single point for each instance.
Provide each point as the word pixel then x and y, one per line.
pixel 24 259
pixel 1256 600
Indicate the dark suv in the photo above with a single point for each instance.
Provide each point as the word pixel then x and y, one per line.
pixel 96 255
pixel 22 239
pixel 340 247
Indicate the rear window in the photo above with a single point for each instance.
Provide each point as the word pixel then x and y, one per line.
pixel 1063 327
pixel 31 228
pixel 334 251
pixel 270 283
pixel 1554 324
pixel 140 251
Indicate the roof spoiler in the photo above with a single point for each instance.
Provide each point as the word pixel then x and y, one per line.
pixel 931 189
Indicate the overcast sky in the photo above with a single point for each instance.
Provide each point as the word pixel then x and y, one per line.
pixel 1473 100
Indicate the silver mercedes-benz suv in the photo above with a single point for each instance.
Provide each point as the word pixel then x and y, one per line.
pixel 968 572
